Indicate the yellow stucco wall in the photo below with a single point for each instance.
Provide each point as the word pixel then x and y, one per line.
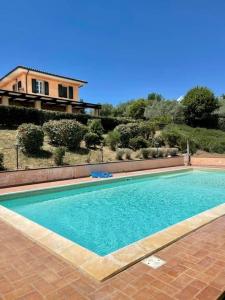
pixel 26 80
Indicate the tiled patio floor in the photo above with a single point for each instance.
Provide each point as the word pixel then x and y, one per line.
pixel 195 269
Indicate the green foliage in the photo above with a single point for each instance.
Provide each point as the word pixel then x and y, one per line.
pixel 221 123
pixel 199 104
pixel 209 140
pixel 12 116
pixel 58 155
pixel 169 110
pixel 2 168
pixel 119 154
pixel 145 153
pixel 158 140
pixel 127 132
pixel 173 152
pixel 67 133
pixel 113 139
pixel 137 108
pixel 153 152
pixel 95 126
pixel 30 138
pixel 107 110
pixel 155 97
pixel 138 142
pixel 127 153
pixel 92 139
pixel 147 129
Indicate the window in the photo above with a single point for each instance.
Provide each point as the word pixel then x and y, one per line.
pixel 17 86
pixel 40 87
pixel 65 91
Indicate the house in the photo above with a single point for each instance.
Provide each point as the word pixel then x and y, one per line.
pixel 28 87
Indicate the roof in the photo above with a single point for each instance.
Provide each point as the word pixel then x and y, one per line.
pixel 42 72
pixel 46 99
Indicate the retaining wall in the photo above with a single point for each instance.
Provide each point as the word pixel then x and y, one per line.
pixel 20 177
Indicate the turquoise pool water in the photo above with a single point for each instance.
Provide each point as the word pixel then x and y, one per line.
pixel 106 217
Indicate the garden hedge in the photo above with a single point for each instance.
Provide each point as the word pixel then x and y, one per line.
pixel 13 116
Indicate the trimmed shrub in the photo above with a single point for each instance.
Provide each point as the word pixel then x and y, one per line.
pixel 145 153
pixel 119 154
pixel 173 151
pixel 2 162
pixel 92 139
pixel 12 116
pixel 30 138
pixel 153 152
pixel 95 126
pixel 67 133
pixel 138 143
pixel 127 154
pixel 113 139
pixel 58 155
pixel 160 152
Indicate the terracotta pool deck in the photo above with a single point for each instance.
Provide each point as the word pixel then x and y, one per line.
pixel 194 269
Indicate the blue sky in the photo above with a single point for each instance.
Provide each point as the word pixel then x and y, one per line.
pixel 123 48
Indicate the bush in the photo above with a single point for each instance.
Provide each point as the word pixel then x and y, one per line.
pixel 119 154
pixel 30 138
pixel 2 162
pixel 127 132
pixel 127 153
pixel 153 152
pixel 113 139
pixel 14 115
pixel 95 126
pixel 199 104
pixel 160 152
pixel 58 155
pixel 92 139
pixel 138 143
pixel 67 133
pixel 173 151
pixel 145 153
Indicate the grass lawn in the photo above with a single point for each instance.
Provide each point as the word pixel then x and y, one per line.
pixel 45 158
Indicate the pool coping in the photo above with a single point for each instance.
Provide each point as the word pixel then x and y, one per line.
pixel 104 267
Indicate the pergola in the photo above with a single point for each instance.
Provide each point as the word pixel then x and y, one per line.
pixel 6 96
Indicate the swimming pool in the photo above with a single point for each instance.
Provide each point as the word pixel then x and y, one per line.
pixel 104 217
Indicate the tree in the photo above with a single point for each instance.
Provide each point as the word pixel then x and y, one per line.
pixel 106 110
pixel 199 104
pixel 137 108
pixel 155 96
pixel 165 109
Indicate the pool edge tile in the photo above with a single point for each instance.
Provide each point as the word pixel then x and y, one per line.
pixel 102 268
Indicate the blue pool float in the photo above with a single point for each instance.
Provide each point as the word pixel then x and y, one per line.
pixel 99 174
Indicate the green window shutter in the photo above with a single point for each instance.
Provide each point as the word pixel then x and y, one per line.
pixel 70 92
pixel 34 90
pixel 60 90
pixel 46 88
